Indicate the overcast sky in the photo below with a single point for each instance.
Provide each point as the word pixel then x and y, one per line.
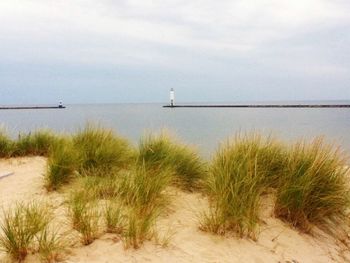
pixel 86 51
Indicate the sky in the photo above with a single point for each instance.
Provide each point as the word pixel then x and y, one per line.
pixel 134 51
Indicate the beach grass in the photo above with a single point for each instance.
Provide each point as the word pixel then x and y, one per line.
pixel 93 151
pixel 63 162
pixel 51 245
pixel 128 189
pixel 20 225
pixel 100 187
pixel 241 170
pixel 308 179
pixel 159 151
pixel 140 226
pixel 131 202
pixel 102 149
pixel 234 187
pixel 143 193
pixel 37 143
pixel 6 145
pixel 84 215
pixel 77 202
pixel 144 188
pixel 115 218
pixel 315 188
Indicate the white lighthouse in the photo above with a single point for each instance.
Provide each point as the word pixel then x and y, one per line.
pixel 172 97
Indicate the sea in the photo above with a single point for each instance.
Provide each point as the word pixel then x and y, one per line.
pixel 205 128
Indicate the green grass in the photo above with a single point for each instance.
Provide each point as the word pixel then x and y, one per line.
pixel 92 152
pixel 51 245
pixel 77 202
pixel 85 216
pixel 20 225
pixel 101 149
pixel 131 202
pixel 115 219
pixel 144 188
pixel 309 180
pixel 100 187
pixel 161 151
pixel 140 227
pixel 63 161
pixel 31 144
pixel 34 144
pixel 6 145
pixel 241 170
pixel 234 189
pixel 315 188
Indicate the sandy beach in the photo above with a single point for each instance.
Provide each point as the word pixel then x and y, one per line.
pixel 179 239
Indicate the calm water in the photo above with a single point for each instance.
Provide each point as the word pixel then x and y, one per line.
pixel 204 127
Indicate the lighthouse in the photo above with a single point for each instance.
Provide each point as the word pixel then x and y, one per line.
pixel 172 97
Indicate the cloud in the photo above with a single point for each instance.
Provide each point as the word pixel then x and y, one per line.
pixel 251 37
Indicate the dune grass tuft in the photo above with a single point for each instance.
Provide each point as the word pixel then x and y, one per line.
pixel 161 151
pixel 142 190
pixel 30 144
pixel 51 245
pixel 131 202
pixel 114 217
pixel 62 163
pixel 140 227
pixel 102 149
pixel 234 189
pixel 6 145
pixel 84 215
pixel 100 187
pixel 315 187
pixel 20 226
pixel 241 170
pixel 37 143
pixel 310 182
pixel 91 152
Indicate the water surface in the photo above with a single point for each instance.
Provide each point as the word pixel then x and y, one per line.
pixel 204 127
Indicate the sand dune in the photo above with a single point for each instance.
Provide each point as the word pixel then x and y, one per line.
pixel 276 242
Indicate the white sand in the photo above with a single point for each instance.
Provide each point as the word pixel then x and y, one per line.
pixel 276 242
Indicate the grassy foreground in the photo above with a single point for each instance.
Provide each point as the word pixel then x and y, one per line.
pixel 309 180
pixel 31 144
pixel 241 170
pixel 112 186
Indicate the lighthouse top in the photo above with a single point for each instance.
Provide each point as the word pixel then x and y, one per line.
pixel 172 97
